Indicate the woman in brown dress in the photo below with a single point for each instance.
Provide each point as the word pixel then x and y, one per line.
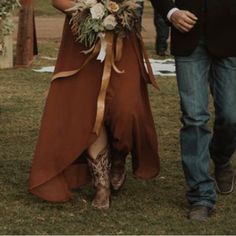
pixel 69 150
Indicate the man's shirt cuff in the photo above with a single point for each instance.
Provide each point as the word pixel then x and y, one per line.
pixel 171 12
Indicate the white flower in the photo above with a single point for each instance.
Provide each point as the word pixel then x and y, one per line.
pixel 97 11
pixel 90 2
pixel 110 22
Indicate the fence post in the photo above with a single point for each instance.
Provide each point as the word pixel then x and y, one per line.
pixel 26 46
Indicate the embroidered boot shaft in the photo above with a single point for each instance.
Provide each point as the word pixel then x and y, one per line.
pixel 100 169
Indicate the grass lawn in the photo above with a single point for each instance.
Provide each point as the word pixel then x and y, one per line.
pixel 45 8
pixel 153 207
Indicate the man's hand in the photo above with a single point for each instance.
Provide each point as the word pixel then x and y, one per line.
pixel 182 20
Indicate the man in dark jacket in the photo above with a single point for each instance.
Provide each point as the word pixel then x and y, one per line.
pixel 203 41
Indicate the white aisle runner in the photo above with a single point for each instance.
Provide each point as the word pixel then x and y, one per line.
pixel 160 67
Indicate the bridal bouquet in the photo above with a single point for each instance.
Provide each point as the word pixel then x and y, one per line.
pixel 91 19
pixel 6 23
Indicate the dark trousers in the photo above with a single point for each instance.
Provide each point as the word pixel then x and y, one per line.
pixel 162 33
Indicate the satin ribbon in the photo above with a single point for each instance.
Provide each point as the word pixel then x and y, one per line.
pixel 110 58
pixel 109 37
pixel 113 54
pixel 148 73
pixel 73 72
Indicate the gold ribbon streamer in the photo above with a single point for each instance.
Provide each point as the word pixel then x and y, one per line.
pixel 108 65
pixel 118 54
pixel 73 72
pixel 151 76
pixel 112 55
pixel 119 48
pixel 105 82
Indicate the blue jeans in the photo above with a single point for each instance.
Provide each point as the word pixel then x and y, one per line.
pixel 194 74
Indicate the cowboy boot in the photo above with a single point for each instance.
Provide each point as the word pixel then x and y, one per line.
pixel 117 173
pixel 100 168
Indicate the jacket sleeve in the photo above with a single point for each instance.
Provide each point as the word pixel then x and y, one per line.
pixel 163 6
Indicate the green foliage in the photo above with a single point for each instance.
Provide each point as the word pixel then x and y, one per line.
pixel 88 31
pixel 6 23
pixel 7 6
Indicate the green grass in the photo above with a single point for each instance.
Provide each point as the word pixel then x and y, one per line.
pixel 44 8
pixel 153 207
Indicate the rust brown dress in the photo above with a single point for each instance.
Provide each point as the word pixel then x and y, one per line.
pixel 66 130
